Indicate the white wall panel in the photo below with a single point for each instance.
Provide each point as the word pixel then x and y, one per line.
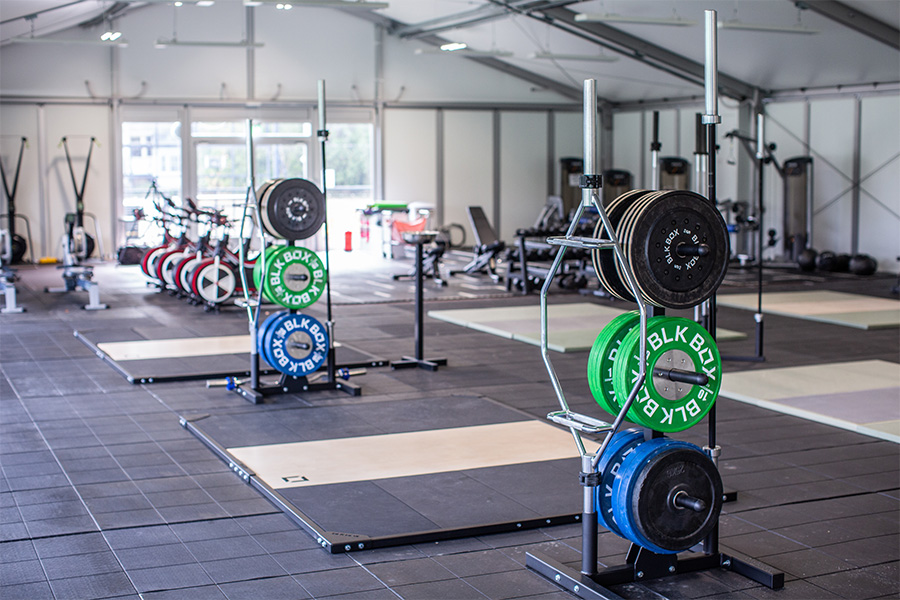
pixel 831 144
pixel 568 142
pixel 78 124
pixel 16 122
pixel 468 166
pixel 628 145
pixel 410 156
pixel 879 210
pixel 523 170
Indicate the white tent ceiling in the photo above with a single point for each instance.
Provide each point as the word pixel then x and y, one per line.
pixel 836 56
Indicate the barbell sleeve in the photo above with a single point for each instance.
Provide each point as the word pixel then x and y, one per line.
pixel 680 376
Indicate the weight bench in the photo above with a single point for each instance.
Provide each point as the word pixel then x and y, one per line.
pixel 487 246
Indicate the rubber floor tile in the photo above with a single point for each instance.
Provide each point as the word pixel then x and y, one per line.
pixel 558 550
pixel 796 589
pixel 107 585
pixel 821 533
pixel 308 561
pixel 205 592
pixel 129 518
pixel 865 551
pixel 807 563
pixel 275 588
pixel 25 571
pixel 154 556
pixel 858 583
pixel 457 589
pixel 510 584
pixel 54 547
pixel 763 543
pixel 222 548
pixel 467 564
pixel 242 568
pixel 39 590
pixel 141 537
pixel 406 572
pixel 61 526
pixel 61 567
pixel 169 578
pixel 338 581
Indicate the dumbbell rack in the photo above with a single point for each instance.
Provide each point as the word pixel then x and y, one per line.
pixel 253 390
pixel 640 563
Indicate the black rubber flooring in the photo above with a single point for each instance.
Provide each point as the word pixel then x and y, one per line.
pixel 104 494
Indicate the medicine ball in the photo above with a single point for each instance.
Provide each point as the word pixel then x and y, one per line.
pixel 807 260
pixel 825 261
pixel 842 263
pixel 863 264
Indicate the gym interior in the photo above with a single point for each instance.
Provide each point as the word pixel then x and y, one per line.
pixel 439 299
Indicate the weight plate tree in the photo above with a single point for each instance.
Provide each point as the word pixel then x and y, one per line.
pixel 291 209
pixel 684 374
pixel 667 496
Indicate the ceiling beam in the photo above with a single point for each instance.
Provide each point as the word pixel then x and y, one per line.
pixel 485 12
pixel 852 18
pixel 642 50
pixel 566 91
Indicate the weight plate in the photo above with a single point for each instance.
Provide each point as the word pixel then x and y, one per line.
pixel 258 266
pixel 605 260
pixel 292 209
pixel 297 344
pixel 672 343
pixel 602 357
pixel 667 275
pixel 649 493
pixel 263 330
pixel 620 446
pixel 295 277
pixel 626 226
pixel 214 283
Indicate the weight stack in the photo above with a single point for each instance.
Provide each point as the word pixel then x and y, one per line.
pixel 797 202
pixel 674 173
pixel 615 183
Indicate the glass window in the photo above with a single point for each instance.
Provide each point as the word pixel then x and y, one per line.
pixel 151 151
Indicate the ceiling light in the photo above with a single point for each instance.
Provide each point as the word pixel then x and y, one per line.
pixel 111 36
pixel 33 40
pixel 281 6
pixel 454 46
pixel 585 57
pixel 464 52
pixel 735 24
pixel 179 4
pixel 330 3
pixel 162 43
pixel 205 3
pixel 610 18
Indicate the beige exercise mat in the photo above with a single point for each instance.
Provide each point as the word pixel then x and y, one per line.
pixel 365 458
pixel 839 308
pixel 570 327
pixel 176 348
pixel 861 396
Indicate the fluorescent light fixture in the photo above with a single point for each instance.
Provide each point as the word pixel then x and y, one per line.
pixel 284 6
pixel 611 18
pixel 454 46
pixel 110 36
pixel 740 25
pixel 30 40
pixel 584 57
pixel 205 3
pixel 325 3
pixel 161 43
pixel 464 52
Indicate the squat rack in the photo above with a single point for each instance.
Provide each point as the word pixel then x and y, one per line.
pixel 641 564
